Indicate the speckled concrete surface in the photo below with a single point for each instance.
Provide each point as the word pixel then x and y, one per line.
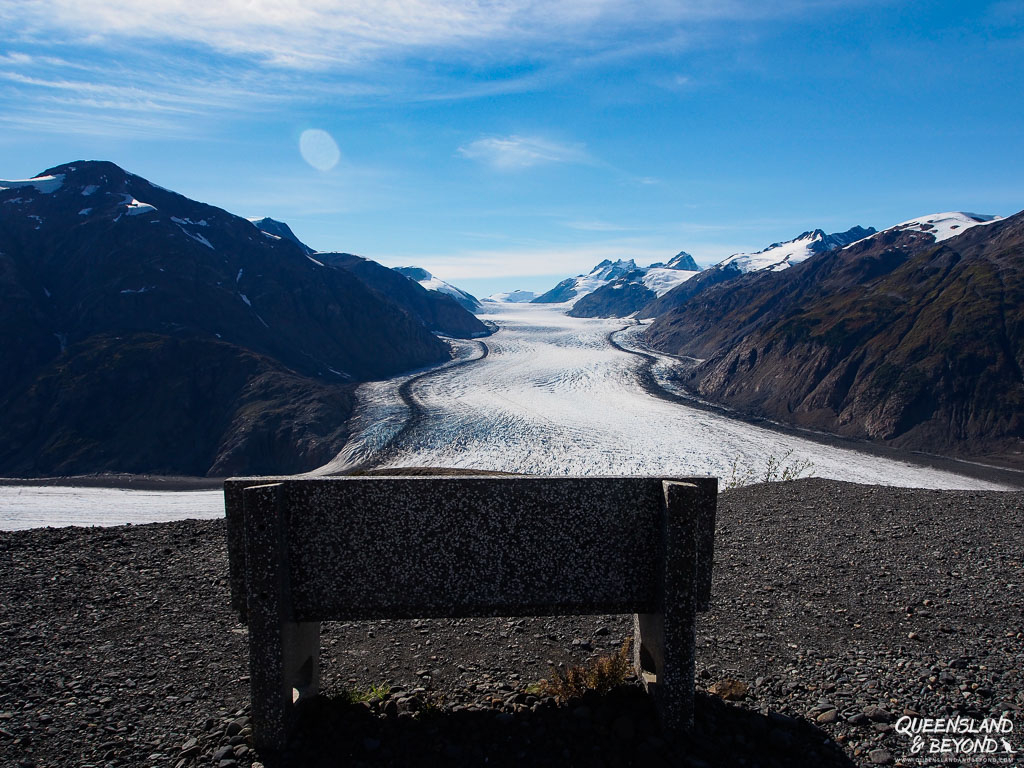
pixel 339 549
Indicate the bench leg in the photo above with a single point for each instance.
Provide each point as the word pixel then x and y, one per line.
pixel 266 595
pixel 665 643
pixel 301 652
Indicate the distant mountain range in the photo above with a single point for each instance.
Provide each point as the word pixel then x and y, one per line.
pixel 912 336
pixel 610 288
pixel 621 289
pixel 147 332
pixel 513 297
pixel 632 290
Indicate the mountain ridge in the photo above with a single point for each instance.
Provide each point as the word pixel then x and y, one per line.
pixel 900 337
pixel 101 270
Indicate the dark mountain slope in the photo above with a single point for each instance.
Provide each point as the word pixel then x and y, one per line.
pixel 105 277
pixel 467 301
pixel 436 311
pixel 895 338
pixel 681 294
pixel 148 403
pixel 282 230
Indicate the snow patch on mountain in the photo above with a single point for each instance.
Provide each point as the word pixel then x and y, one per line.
pixel 662 280
pixel 135 207
pixel 45 184
pixel 200 223
pixel 197 237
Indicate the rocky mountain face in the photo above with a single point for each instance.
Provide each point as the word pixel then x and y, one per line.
pixel 681 260
pixel 147 332
pixel 437 311
pixel 468 301
pixel 913 336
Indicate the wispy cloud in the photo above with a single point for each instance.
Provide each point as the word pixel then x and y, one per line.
pixel 248 56
pixel 323 33
pixel 595 225
pixel 509 153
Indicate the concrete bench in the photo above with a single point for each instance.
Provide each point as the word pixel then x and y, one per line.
pixel 308 550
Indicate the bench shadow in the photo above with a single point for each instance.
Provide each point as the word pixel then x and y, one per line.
pixel 599 731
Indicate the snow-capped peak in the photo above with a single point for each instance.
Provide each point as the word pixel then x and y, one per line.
pixel 609 270
pixel 779 256
pixel 682 260
pixel 943 226
pixel 659 278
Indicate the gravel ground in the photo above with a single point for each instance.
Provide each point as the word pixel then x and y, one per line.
pixel 837 610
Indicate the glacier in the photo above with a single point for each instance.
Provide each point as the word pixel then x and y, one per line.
pixel 554 396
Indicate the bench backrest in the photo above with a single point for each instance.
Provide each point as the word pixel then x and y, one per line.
pixel 418 547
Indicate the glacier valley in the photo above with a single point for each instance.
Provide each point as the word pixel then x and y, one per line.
pixel 546 394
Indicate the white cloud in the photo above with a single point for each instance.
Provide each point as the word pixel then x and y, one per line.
pixel 507 153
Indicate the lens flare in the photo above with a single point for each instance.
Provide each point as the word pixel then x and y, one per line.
pixel 318 149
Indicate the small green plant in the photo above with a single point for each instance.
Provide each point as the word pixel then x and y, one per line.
pixel 601 675
pixel 433 706
pixel 776 470
pixel 378 691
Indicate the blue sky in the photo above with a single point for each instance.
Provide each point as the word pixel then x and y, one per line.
pixel 509 143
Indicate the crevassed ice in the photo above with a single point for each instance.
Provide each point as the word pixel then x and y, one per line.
pixel 553 397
